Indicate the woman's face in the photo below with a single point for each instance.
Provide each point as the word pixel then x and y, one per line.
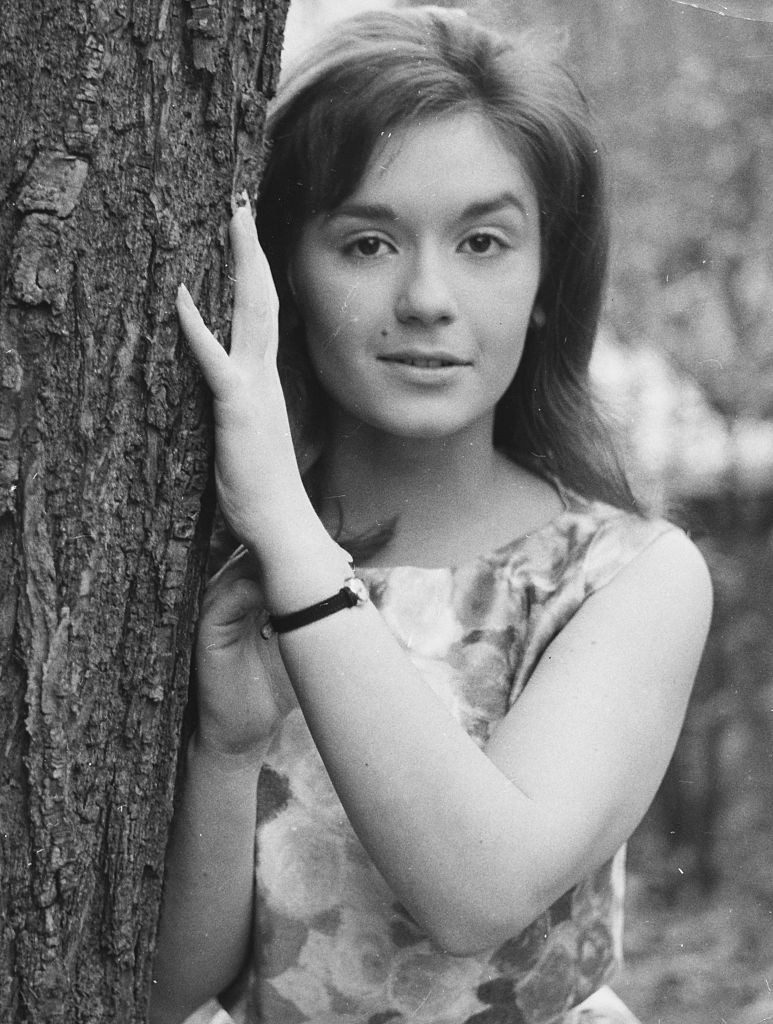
pixel 416 292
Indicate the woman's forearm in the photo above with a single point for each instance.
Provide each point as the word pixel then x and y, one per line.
pixel 206 917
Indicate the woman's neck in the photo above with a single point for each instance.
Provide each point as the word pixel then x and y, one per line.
pixel 373 474
pixel 451 497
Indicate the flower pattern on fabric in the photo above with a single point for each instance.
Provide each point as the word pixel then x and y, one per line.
pixel 335 947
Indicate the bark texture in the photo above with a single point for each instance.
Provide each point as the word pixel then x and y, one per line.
pixel 126 125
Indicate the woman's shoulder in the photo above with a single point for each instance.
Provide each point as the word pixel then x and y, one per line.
pixel 618 569
pixel 590 541
pixel 612 538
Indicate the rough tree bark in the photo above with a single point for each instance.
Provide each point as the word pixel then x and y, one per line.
pixel 125 125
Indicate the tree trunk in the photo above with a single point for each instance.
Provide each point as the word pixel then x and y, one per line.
pixel 126 125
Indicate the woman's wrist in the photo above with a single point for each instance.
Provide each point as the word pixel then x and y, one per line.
pixel 300 564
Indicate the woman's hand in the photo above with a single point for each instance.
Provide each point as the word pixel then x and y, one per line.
pixel 241 683
pixel 258 483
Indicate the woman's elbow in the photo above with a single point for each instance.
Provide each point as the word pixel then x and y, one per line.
pixel 471 931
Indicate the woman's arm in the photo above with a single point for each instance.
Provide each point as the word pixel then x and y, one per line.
pixel 206 916
pixel 206 920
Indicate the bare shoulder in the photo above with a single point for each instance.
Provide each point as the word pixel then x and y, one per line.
pixel 652 617
pixel 672 571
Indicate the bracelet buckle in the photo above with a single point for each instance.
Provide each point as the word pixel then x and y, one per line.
pixel 352 593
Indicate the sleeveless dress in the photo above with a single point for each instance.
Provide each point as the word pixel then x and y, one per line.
pixel 334 945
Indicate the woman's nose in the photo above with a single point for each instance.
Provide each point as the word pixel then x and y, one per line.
pixel 425 292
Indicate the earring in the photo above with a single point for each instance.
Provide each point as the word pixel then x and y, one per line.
pixel 538 317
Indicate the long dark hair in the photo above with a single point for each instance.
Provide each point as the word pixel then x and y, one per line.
pixel 387 68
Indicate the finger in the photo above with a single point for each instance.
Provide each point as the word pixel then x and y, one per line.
pixel 241 563
pixel 229 605
pixel 209 353
pixel 235 589
pixel 256 307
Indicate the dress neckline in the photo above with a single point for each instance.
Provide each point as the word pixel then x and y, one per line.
pixel 572 502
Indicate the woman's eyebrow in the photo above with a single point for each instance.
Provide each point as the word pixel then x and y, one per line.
pixel 497 203
pixel 363 211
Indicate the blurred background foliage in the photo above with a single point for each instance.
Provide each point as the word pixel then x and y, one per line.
pixel 684 99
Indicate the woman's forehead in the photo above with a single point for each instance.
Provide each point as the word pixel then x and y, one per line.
pixel 458 159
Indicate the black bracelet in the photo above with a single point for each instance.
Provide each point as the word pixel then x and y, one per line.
pixel 352 593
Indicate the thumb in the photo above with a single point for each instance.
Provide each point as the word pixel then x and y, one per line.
pixel 209 353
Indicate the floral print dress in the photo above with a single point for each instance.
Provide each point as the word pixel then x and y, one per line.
pixel 335 946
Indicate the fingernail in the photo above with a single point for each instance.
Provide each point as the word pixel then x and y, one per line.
pixel 240 201
pixel 183 293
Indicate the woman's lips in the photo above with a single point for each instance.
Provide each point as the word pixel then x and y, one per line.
pixel 435 361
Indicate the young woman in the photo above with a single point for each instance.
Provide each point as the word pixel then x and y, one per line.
pixel 447 750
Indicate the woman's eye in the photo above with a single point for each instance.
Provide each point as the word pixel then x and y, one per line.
pixel 367 246
pixel 482 245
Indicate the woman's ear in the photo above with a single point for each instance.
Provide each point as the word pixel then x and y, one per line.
pixel 538 317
